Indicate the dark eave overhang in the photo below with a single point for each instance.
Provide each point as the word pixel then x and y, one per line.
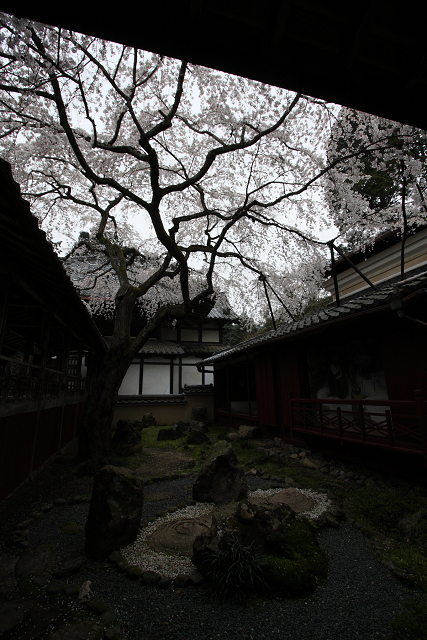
pixel 369 56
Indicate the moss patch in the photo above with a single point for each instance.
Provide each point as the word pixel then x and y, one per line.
pixel 411 622
pixel 299 575
pixel 70 528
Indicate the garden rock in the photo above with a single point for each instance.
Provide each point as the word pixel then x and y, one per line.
pixel 407 524
pixel 35 562
pixel 85 593
pixel 127 438
pixel 309 464
pixel 233 436
pixel 89 630
pixel 115 511
pixel 221 480
pixel 174 433
pixel 196 426
pixel 11 614
pixel 148 420
pixel 68 567
pixel 199 413
pixel 248 432
pixel 150 578
pixel 197 437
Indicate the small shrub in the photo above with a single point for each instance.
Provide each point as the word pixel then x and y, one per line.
pixel 235 571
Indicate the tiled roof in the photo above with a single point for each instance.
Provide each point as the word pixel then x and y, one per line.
pixel 370 300
pixel 153 399
pixel 164 347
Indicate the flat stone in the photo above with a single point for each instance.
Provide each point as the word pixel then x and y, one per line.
pixel 133 572
pixel 25 523
pixel 115 556
pixel 24 544
pixel 248 432
pixel 46 507
pixel 7 576
pixel 309 464
pixel 36 515
pixel 109 618
pixel 41 581
pixel 182 581
pixel 34 562
pixel 70 528
pixel 55 586
pixel 89 630
pixel 68 568
pixel 77 500
pixel 71 589
pixel 97 605
pixel 196 578
pixel 114 633
pixel 293 498
pixel 164 582
pixel 11 614
pixel 150 578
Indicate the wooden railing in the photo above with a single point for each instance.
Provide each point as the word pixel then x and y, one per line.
pixel 389 424
pixel 27 381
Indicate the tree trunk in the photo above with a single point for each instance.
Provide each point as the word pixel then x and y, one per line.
pixel 95 428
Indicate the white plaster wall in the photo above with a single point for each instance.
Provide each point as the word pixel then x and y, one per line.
pixel 156 379
pixel 130 384
pixel 189 335
pixel 210 335
pixel 167 414
pixel 191 375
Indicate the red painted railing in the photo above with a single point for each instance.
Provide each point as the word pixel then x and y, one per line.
pixel 389 424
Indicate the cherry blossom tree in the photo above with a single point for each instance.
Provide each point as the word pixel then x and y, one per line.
pixel 383 187
pixel 179 178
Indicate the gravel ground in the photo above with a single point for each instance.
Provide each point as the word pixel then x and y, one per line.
pixel 356 602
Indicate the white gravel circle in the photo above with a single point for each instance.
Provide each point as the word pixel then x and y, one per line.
pixel 140 554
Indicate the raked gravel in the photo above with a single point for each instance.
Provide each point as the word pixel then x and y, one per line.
pixel 356 602
pixel 140 553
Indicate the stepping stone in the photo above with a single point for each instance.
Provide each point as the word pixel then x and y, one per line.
pixel 298 502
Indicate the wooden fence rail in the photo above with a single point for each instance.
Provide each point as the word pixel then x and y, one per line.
pixel 389 424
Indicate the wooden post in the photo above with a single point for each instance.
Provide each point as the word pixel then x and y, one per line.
pixel 322 426
pixel 248 386
pixel 339 421
pixel 389 427
pixel 421 419
pixel 362 422
pixel 290 413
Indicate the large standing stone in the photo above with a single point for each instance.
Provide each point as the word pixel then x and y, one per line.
pixel 221 480
pixel 115 511
pixel 127 438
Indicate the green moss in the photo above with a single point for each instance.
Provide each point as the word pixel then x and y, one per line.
pixel 383 508
pixel 70 528
pixel 299 575
pixel 411 622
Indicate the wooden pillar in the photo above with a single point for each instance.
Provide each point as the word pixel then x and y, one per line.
pixel 421 419
pixel 41 381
